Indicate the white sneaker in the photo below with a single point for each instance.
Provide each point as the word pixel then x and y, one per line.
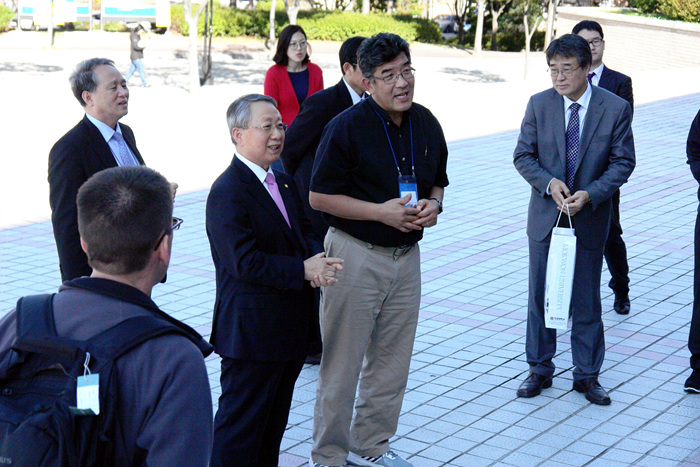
pixel 388 459
pixel 316 464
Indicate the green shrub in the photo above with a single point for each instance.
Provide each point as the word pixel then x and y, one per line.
pixel 645 6
pixel 116 27
pixel 684 10
pixel 318 25
pixel 6 16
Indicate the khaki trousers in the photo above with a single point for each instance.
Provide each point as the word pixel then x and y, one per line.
pixel 368 325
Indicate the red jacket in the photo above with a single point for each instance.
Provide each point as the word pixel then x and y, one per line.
pixel 279 87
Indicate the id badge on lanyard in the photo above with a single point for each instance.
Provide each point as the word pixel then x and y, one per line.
pixel 409 185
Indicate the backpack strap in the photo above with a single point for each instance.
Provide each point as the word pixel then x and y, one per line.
pixel 36 328
pixel 122 337
pixel 35 316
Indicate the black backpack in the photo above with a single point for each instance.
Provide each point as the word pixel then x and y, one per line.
pixel 39 423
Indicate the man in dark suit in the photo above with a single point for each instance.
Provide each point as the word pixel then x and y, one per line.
pixel 692 384
pixel 96 143
pixel 267 260
pixel 620 85
pixel 576 149
pixel 317 110
pixel 302 139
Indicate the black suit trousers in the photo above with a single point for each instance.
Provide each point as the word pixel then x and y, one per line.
pixel 616 251
pixel 694 337
pixel 253 410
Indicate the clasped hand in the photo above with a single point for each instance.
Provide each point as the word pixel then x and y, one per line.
pixel 562 196
pixel 320 271
pixel 396 214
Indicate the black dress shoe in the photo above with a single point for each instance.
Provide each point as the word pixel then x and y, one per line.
pixel 622 304
pixel 533 385
pixel 593 390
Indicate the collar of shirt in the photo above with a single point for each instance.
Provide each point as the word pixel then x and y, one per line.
pixel 385 115
pixel 105 129
pixel 258 171
pixel 598 73
pixel 583 101
pixel 353 95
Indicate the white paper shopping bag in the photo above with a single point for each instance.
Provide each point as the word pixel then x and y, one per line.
pixel 561 262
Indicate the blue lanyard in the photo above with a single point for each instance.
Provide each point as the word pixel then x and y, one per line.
pixel 391 146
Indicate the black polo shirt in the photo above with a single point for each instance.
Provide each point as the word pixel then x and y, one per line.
pixel 355 159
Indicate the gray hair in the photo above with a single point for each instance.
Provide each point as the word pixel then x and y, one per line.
pixel 238 113
pixel 83 77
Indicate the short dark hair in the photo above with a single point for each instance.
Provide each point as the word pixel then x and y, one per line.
pixel 122 214
pixel 570 45
pixel 348 51
pixel 83 77
pixel 590 25
pixel 380 49
pixel 283 41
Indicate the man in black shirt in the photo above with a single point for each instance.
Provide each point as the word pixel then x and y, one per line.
pixel 379 177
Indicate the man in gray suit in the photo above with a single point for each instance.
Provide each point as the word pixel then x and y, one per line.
pixel 575 149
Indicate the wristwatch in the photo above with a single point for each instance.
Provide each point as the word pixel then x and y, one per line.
pixel 439 205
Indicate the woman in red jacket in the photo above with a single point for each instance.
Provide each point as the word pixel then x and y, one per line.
pixel 294 77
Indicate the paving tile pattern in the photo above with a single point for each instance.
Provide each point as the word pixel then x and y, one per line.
pixel 460 408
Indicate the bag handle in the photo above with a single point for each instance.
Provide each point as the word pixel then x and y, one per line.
pixel 568 213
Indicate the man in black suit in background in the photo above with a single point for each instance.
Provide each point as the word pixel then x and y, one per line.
pixel 267 260
pixel 621 86
pixel 302 139
pixel 96 143
pixel 317 110
pixel 692 384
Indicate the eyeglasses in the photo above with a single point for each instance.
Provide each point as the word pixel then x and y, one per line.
pixel 298 45
pixel 553 72
pixel 407 74
pixel 596 42
pixel 177 222
pixel 267 128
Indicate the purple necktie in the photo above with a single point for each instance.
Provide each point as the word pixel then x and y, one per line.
pixel 572 140
pixel 123 157
pixel 275 192
pixel 590 76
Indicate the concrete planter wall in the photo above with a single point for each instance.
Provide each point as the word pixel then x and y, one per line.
pixel 639 44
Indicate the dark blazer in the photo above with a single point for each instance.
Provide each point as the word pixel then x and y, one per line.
pixel 75 157
pixel 263 306
pixel 618 84
pixel 303 137
pixel 605 161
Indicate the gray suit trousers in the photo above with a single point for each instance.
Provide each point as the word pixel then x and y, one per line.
pixel 587 339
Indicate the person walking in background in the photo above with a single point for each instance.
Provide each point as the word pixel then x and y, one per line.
pixel 575 149
pixel 137 47
pixel 692 384
pixel 304 135
pixel 621 86
pixel 379 176
pixel 293 77
pixel 267 261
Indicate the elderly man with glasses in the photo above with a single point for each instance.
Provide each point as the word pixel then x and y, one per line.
pixel 379 177
pixel 267 262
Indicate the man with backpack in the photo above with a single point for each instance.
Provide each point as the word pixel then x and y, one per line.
pixel 154 400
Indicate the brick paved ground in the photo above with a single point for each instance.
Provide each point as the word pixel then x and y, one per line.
pixel 460 408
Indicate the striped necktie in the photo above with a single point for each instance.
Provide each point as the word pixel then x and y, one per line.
pixel 572 141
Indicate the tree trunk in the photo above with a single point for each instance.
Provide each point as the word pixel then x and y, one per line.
pixel 193 21
pixel 551 13
pixel 292 7
pixel 526 24
pixel 366 4
pixel 273 6
pixel 494 29
pixel 478 38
